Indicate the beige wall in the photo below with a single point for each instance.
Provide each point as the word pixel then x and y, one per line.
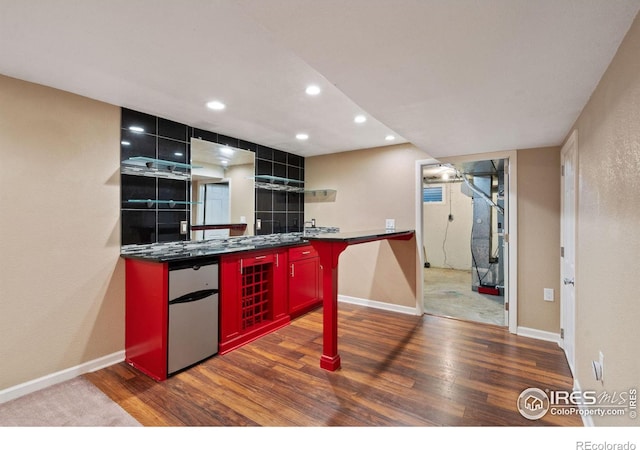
pixel 539 238
pixel 454 236
pixel 608 227
pixel 372 185
pixel 61 278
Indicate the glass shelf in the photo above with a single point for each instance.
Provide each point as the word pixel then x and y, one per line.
pixel 320 192
pixel 159 168
pixel 272 183
pixel 278 187
pixel 151 162
pixel 320 195
pixel 272 178
pixel 171 203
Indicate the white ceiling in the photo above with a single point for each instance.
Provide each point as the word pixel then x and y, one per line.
pixel 450 76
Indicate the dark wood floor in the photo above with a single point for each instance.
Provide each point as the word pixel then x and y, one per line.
pixel 397 370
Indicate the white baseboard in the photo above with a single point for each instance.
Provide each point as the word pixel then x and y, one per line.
pixel 587 420
pixel 538 334
pixel 58 377
pixel 379 305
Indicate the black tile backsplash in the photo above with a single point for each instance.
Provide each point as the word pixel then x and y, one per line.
pixel 131 118
pixel 137 144
pixel 227 140
pixel 167 230
pixel 204 135
pixel 280 201
pixel 173 130
pixel 280 156
pixel 264 153
pixel 175 190
pixel 264 200
pixel 278 211
pixel 138 227
pixel 280 170
pixel 170 150
pixel 136 187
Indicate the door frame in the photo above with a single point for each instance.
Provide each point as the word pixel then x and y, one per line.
pixel 511 216
pixel 568 312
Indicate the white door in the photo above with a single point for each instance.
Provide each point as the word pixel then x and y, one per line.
pixel 568 248
pixel 216 208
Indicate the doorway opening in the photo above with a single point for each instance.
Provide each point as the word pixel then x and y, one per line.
pixel 464 249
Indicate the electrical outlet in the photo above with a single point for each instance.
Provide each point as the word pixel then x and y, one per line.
pixel 390 224
pixel 548 295
pixel 258 224
pixel 184 227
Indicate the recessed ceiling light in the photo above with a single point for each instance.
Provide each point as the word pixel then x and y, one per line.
pixel 136 129
pixel 302 136
pixel 216 105
pixel 389 137
pixel 360 119
pixel 312 90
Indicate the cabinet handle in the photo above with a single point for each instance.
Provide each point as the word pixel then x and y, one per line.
pixel 277 259
pixel 307 252
pixel 193 297
pixel 293 271
pixel 261 257
pixel 241 265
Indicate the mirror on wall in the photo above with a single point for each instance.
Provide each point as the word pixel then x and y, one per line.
pixel 222 187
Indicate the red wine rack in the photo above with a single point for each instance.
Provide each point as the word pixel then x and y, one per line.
pixel 256 295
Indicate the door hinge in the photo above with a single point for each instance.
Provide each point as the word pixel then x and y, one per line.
pixel 561 252
pixel 562 170
pixel 561 333
pixel 506 306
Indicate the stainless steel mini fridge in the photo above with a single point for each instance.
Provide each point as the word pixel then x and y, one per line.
pixel 193 313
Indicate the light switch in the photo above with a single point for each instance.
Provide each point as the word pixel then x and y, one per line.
pixel 390 224
pixel 548 295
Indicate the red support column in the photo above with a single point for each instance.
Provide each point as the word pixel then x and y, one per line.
pixel 329 253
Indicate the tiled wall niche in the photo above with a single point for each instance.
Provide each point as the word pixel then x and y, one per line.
pixel 277 211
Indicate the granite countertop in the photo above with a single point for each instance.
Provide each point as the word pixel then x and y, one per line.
pixel 356 237
pixel 181 250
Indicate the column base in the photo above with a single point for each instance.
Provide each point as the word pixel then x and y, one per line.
pixel 331 363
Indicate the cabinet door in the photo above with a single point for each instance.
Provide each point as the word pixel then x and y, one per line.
pixel 304 284
pixel 229 298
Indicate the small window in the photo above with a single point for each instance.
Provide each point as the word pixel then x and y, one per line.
pixel 432 194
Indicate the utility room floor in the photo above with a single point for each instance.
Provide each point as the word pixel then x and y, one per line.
pixel 448 293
